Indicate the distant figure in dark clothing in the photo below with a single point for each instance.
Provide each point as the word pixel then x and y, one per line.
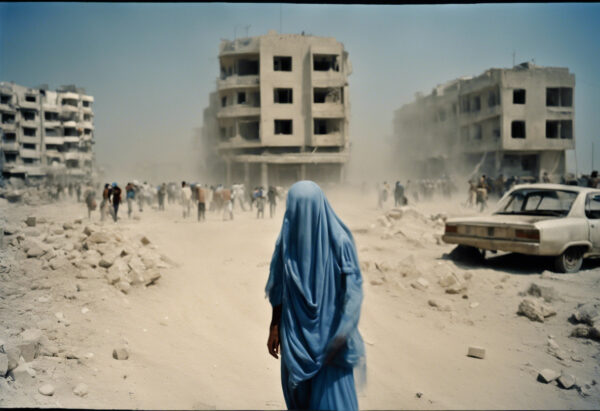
pixel 272 198
pixel 398 194
pixel 116 199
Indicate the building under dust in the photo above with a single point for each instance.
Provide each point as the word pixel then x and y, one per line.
pixel 280 112
pixel 515 121
pixel 46 133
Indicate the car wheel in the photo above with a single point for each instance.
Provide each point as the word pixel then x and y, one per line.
pixel 472 253
pixel 570 261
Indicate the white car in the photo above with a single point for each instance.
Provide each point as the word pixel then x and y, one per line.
pixel 538 219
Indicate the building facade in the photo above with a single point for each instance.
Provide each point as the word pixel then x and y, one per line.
pixel 46 133
pixel 281 110
pixel 517 121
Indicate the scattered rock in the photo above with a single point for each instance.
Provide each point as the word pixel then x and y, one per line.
pixel 120 353
pixel 474 305
pixel 35 251
pixel 547 375
pixel 98 237
pixel 81 390
pixel 123 286
pixel 566 381
pixel 67 226
pixel 87 231
pixel 476 352
pixel 587 313
pixel 448 280
pixel 29 350
pixel 3 364
pixel 144 240
pixel 420 284
pixel 13 354
pixel 585 331
pixel 535 310
pixel 46 389
pixel 32 335
pixel 30 221
pixel 152 277
pixel 547 293
pixel 23 372
pixel 440 304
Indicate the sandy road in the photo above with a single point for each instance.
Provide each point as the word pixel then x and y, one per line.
pixel 198 338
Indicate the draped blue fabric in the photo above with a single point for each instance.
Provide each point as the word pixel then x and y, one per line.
pixel 315 276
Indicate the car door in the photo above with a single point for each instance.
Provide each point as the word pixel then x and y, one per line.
pixel 592 212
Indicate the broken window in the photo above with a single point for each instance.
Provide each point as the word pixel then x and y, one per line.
pixel 566 129
pixel 326 126
pixel 85 103
pixel 10 158
pixel 28 146
pixel 71 132
pixel 87 131
pixel 51 147
pixel 87 117
pixel 519 96
pixel 249 130
pixel 28 115
pixel 51 132
pixel 30 161
pixel 283 126
pixel 328 95
pixel 30 99
pixel 9 137
pixel 325 62
pixel 283 95
pixel 50 116
pixel 241 97
pixel 5 98
pixel 8 118
pixel 247 67
pixel 517 129
pixel 69 102
pixel 566 97
pixel 552 128
pixel 552 97
pixel 282 63
pixel 29 132
pixel 476 104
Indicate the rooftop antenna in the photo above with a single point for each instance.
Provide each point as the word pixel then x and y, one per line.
pixel 279 18
pixel 247 27
pixel 513 54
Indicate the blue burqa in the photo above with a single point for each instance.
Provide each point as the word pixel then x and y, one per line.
pixel 315 276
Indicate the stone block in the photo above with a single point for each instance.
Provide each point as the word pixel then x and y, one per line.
pixel 476 352
pixel 120 353
pixel 547 375
pixel 30 221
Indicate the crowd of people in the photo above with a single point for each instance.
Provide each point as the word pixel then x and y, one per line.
pixel 202 197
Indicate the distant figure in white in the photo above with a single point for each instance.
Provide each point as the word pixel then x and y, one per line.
pixel 186 199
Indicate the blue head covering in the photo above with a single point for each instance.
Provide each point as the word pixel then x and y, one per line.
pixel 114 184
pixel 315 275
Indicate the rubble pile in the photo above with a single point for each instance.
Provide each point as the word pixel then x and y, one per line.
pixel 46 264
pixel 412 226
pixel 16 192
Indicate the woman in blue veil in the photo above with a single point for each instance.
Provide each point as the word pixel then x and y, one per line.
pixel 315 289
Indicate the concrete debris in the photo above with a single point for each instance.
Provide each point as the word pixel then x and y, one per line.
pixel 87 231
pixel 588 313
pixel 23 372
pixel 547 293
pixel 98 237
pixel 35 251
pixel 440 304
pixel 46 389
pixel 144 240
pixel 585 331
pixel 547 375
pixel 3 364
pixel 566 381
pixel 81 390
pixel 67 226
pixel 535 309
pixel 30 221
pixel 420 284
pixel 476 352
pixel 120 353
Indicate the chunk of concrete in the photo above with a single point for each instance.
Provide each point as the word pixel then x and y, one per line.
pixel 13 354
pixel 151 277
pixel 30 221
pixel 46 389
pixel 120 353
pixel 476 352
pixel 535 310
pixel 35 251
pixel 566 381
pixel 123 286
pixel 98 237
pixel 67 226
pixel 32 335
pixel 3 364
pixel 420 284
pixel 547 375
pixel 87 231
pixel 549 294
pixel 24 372
pixel 81 390
pixel 440 304
pixel 29 350
pixel 144 240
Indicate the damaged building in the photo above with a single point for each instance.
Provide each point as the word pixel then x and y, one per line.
pixel 517 121
pixel 46 133
pixel 280 112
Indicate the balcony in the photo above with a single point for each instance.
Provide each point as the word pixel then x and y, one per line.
pixel 54 155
pixel 28 153
pixel 86 110
pixel 85 124
pixel 328 110
pixel 72 155
pixel 328 79
pixel 70 124
pixel 67 109
pixel 33 105
pixel 7 127
pixel 11 147
pixel 7 108
pixel 29 123
pixel 69 96
pixel 54 140
pixel 238 110
pixel 51 123
pixel 236 81
pixel 481 115
pixel 30 139
pixel 331 139
pixel 72 139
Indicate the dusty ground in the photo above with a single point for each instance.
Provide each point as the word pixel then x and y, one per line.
pixel 197 337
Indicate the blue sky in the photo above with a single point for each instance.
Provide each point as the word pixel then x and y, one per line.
pixel 151 67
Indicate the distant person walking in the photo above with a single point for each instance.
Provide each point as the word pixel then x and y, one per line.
pixel 78 191
pixel 90 201
pixel 116 200
pixel 105 201
pixel 130 196
pixel 315 290
pixel 186 199
pixel 260 203
pixel 226 199
pixel 272 198
pixel 201 203
pixel 398 194
pixel 162 192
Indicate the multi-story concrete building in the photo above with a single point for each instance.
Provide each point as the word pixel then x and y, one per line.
pixel 46 133
pixel 281 109
pixel 515 121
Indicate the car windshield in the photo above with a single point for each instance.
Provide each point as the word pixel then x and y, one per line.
pixel 530 201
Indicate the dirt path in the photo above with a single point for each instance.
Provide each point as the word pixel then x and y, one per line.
pixel 198 337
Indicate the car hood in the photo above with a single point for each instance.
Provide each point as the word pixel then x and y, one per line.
pixel 499 219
